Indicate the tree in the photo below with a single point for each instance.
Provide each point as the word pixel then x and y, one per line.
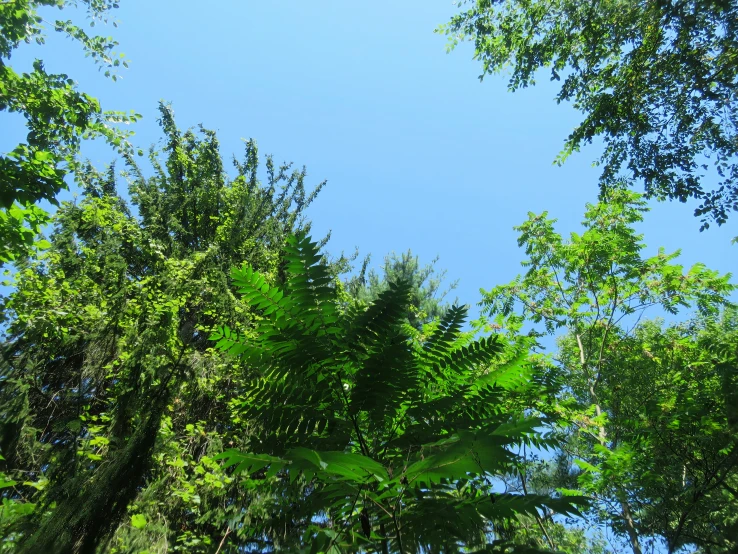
pixel 113 401
pixel 425 282
pixel 58 116
pixel 655 80
pixel 396 434
pixel 629 384
pixel 672 408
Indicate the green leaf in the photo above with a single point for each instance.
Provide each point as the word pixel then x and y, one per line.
pixel 248 462
pixel 5 482
pixel 138 521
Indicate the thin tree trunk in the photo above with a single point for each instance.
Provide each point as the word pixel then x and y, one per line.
pixel 630 525
pixel 630 528
pixel 385 542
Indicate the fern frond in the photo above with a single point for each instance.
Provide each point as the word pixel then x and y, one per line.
pixel 439 345
pixel 381 318
pixel 505 506
pixel 385 379
pixel 246 462
pixel 458 456
pixel 512 376
pixel 442 520
pixel 337 465
pixel 229 341
pixel 309 283
pixel 471 356
pixel 260 295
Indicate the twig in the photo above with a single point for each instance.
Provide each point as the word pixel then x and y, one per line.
pixel 538 517
pixel 228 532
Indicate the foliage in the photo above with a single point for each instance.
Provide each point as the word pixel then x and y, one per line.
pixel 655 80
pixel 540 473
pixel 113 401
pixel 645 408
pixel 567 538
pixel 674 449
pixel 600 274
pixel 426 297
pixel 360 415
pixel 396 433
pixel 58 116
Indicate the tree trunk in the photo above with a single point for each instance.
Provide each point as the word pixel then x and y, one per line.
pixel 630 528
pixel 385 542
pixel 90 510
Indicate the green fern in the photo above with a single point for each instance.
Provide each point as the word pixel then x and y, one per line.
pixel 382 424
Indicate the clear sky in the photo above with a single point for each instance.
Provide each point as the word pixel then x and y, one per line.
pixel 417 152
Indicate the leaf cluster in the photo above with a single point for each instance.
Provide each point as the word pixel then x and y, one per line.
pixel 655 81
pixel 112 399
pixel 57 115
pixel 643 406
pixel 390 427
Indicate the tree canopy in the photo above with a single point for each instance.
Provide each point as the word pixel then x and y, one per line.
pixel 58 116
pixel 106 366
pixel 183 368
pixel 646 409
pixel 655 81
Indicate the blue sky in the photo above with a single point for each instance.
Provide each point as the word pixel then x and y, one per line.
pixel 417 152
